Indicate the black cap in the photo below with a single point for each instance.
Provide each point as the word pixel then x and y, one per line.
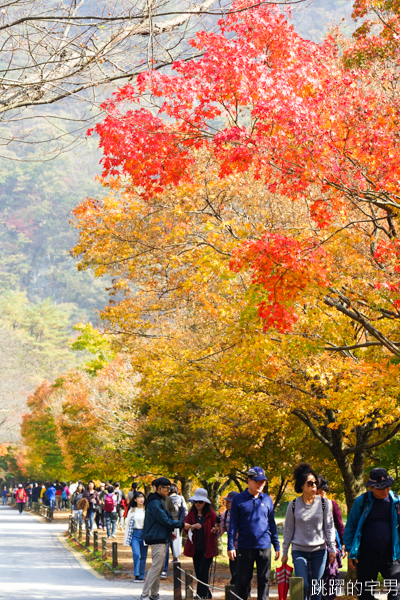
pixel 379 479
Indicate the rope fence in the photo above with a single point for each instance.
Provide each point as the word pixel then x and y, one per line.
pixel 75 527
pixel 190 592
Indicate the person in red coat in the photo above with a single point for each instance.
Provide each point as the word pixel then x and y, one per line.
pixel 202 541
pixel 21 498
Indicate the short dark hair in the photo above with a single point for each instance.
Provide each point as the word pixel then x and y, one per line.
pixel 301 472
pixel 160 481
pixel 322 483
pixel 174 489
pixel 116 484
pixel 110 489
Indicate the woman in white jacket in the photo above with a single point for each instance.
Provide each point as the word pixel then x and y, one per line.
pixel 134 535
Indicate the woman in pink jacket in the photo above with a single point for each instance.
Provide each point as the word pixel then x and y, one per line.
pixel 21 498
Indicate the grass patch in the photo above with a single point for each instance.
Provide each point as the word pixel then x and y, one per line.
pixel 103 567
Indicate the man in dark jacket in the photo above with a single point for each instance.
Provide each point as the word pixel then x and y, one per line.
pixel 371 536
pixel 157 533
pixel 253 521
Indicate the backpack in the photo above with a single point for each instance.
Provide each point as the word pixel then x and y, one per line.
pixel 20 494
pixel 64 495
pixel 109 504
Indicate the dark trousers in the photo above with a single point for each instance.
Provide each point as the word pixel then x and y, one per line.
pixel 232 568
pixel 202 568
pixel 244 572
pixel 370 563
pixel 99 518
pixel 20 506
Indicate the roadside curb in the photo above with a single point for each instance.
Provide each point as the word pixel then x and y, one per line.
pixel 82 561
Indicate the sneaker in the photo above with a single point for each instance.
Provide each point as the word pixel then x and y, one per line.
pixel 113 535
pixel 109 537
pixel 164 575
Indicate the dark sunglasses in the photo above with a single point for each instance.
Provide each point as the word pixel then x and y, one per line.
pixel 199 501
pixel 311 484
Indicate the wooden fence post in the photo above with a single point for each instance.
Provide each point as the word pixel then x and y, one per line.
pixel 114 555
pixel 296 588
pixel 95 541
pixel 87 543
pixel 104 548
pixel 188 585
pixel 177 580
pixel 228 594
pixel 80 532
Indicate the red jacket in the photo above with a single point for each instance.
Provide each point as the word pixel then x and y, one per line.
pixel 24 499
pixel 210 538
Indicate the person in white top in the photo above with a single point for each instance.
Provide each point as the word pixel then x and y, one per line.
pixel 134 535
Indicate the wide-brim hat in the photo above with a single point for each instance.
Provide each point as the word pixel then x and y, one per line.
pixel 200 495
pixel 379 479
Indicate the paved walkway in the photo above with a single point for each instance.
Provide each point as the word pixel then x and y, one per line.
pixel 35 565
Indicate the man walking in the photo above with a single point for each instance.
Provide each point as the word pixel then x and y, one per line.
pixel 157 533
pixel 371 536
pixel 252 519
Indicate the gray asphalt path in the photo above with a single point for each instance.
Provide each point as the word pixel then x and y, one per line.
pixel 34 564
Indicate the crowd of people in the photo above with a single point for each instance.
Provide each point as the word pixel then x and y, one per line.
pixel 313 529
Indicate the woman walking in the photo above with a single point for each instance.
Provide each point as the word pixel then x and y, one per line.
pixel 21 498
pixel 134 535
pixel 76 496
pixel 331 575
pixel 308 523
pixel 202 541
pixel 92 496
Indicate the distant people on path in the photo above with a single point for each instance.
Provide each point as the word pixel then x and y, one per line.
pixel 157 533
pixel 58 498
pixel 331 576
pixel 29 492
pixel 308 526
pixel 134 535
pixel 99 518
pixel 252 521
pixel 65 497
pixel 4 495
pixel 35 492
pixel 110 511
pixel 371 535
pixel 75 498
pixel 21 498
pixel 92 496
pixel 121 503
pixel 202 541
pixel 51 496
pixel 224 528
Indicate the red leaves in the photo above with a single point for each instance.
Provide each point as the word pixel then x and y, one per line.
pixel 284 267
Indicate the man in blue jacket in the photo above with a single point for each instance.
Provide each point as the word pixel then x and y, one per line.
pixel 371 536
pixel 51 495
pixel 252 517
pixel 157 533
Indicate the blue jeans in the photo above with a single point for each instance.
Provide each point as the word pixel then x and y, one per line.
pixel 4 500
pixel 316 561
pixel 89 518
pixel 139 553
pixel 52 504
pixel 111 522
pixel 78 516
